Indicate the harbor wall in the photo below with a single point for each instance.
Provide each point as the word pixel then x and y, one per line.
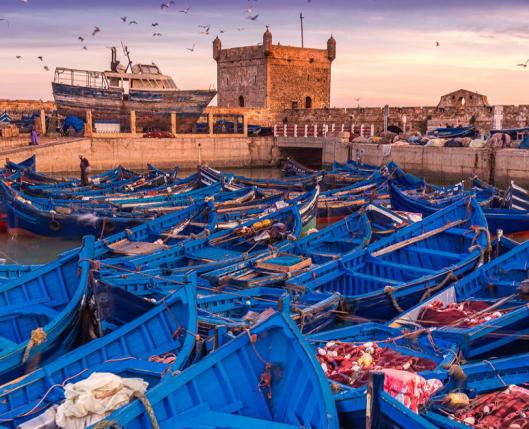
pixel 186 152
pixel 446 165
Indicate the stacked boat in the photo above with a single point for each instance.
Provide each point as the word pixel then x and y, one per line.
pixel 213 301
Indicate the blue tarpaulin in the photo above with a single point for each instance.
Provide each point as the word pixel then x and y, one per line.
pixel 73 121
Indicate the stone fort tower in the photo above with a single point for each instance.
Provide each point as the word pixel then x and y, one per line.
pixel 272 76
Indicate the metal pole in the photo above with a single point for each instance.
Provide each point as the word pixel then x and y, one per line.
pixel 301 20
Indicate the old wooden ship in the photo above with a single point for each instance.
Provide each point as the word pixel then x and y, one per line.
pixel 142 88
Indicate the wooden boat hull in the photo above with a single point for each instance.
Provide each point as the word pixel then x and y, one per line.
pixel 153 108
pixel 230 387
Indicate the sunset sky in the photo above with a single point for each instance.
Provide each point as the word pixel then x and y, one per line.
pixel 386 48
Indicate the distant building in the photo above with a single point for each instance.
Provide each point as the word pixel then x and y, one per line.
pixel 463 99
pixel 274 77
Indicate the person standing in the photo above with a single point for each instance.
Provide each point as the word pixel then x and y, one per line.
pixel 34 137
pixel 85 169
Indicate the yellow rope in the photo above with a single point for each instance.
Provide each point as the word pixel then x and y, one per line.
pixel 38 336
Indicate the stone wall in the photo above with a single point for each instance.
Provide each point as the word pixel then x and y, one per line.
pixel 185 152
pixel 241 72
pixel 17 107
pixel 408 118
pixel 296 74
pixel 449 165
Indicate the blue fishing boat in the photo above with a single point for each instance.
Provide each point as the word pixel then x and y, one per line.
pixel 484 312
pixel 492 393
pixel 348 355
pixel 40 315
pixel 399 271
pixel 275 267
pixel 225 314
pixel 207 253
pixel 291 167
pixel 136 336
pixel 263 378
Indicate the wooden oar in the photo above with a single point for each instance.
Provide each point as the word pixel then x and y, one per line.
pixel 418 238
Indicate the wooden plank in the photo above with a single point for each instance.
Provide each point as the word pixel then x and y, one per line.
pixel 133 248
pixel 418 238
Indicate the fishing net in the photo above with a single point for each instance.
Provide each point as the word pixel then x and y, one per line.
pixel 465 314
pixel 498 410
pixel 350 364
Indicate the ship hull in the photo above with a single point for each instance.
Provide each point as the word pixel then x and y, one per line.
pixel 153 108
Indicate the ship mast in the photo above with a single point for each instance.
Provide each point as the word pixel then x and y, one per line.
pixel 126 52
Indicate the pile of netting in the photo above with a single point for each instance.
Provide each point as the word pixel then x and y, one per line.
pixel 465 314
pixel 350 364
pixel 507 409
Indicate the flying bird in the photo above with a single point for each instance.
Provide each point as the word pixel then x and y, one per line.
pixel 19 57
pixel 164 6
pixel 133 22
pixel 524 65
pixel 81 39
pixel 186 10
pixel 191 49
pixel 437 44
pixel 206 29
pixel 40 58
pixel 253 18
pixel 156 34
pixel 85 48
pixel 155 24
pixel 96 30
pixel 46 68
pixel 124 18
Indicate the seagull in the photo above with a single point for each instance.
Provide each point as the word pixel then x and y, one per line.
pixel 85 48
pixel 81 39
pixel 164 6
pixel 46 68
pixel 524 65
pixel 19 57
pixel 156 34
pixel 240 29
pixel 253 18
pixel 96 30
pixel 124 18
pixel 191 49
pixel 186 11
pixel 40 58
pixel 133 22
pixel 206 29
pixel 437 44
pixel 155 24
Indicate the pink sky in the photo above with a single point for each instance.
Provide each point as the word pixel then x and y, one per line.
pixel 386 49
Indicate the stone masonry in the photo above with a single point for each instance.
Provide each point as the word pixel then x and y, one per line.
pixel 274 76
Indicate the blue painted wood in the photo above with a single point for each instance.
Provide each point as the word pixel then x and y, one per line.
pixel 498 280
pixel 227 388
pixel 167 327
pixel 61 287
pixel 378 287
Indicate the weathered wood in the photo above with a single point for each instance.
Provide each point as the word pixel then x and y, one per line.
pixel 132 248
pixel 270 266
pixel 418 238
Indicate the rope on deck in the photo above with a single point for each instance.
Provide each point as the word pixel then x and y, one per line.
pixel 38 336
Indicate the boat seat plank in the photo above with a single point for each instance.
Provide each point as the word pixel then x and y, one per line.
pixel 404 267
pixel 27 308
pixel 213 254
pixel 435 252
pixel 134 248
pixel 371 278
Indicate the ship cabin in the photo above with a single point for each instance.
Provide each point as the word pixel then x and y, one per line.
pixel 146 77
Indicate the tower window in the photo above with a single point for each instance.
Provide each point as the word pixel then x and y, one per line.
pixel 241 101
pixel 308 103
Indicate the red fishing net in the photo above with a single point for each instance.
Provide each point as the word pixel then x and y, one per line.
pixel 350 364
pixel 466 314
pixel 508 409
